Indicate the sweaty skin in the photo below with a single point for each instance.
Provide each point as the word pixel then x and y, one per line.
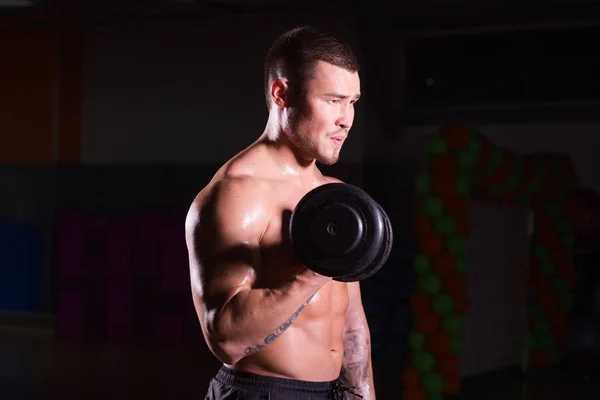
pixel 262 311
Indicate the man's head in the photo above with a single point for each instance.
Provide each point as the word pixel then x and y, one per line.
pixel 312 82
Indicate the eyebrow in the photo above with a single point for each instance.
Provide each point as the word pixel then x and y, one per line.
pixel 341 96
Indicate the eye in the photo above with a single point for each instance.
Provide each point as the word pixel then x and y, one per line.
pixel 334 101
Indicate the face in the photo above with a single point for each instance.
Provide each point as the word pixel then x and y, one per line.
pixel 320 123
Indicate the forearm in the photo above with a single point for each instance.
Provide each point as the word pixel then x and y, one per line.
pixel 253 319
pixel 357 369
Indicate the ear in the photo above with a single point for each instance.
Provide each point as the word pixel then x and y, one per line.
pixel 280 93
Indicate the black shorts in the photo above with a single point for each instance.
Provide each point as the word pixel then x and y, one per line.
pixel 234 385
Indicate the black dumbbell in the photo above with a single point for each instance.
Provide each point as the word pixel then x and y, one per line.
pixel 338 230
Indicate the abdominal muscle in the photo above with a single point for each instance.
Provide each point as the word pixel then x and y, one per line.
pixel 311 349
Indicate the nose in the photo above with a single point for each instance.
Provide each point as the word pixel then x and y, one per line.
pixel 344 120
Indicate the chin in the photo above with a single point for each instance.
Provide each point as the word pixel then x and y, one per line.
pixel 328 160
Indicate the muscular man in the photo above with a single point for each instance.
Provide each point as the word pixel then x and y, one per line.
pixel 281 330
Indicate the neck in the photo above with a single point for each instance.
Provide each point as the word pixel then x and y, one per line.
pixel 288 157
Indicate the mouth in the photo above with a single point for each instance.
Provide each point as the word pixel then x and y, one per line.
pixel 338 139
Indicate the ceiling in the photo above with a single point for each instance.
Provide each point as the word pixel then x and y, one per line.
pixel 406 12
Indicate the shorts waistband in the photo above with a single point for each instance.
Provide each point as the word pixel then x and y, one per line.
pixel 249 381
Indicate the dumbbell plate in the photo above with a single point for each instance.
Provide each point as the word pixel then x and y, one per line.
pixel 337 230
pixel 382 256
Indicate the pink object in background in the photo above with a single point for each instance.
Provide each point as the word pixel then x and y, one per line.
pixel 174 261
pixel 119 251
pixel 119 312
pixel 119 279
pixel 70 247
pixel 146 247
pixel 95 247
pixel 70 315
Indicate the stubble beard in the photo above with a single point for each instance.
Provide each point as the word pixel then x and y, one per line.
pixel 306 148
pixel 329 159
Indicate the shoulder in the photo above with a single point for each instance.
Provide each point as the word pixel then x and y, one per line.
pixel 239 188
pixel 230 203
pixel 236 189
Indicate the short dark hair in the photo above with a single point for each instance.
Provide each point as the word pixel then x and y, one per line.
pixel 296 52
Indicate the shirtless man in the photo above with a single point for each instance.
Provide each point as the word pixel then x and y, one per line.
pixel 281 330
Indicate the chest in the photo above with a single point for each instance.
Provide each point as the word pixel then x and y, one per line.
pixel 279 261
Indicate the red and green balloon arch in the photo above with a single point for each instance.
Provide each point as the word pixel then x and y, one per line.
pixel 463 164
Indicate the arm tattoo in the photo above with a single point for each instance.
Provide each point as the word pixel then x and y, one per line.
pixel 279 331
pixel 355 367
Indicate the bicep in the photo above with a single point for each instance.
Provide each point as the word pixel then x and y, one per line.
pixel 222 254
pixel 223 274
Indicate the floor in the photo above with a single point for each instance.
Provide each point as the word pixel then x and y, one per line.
pixel 33 367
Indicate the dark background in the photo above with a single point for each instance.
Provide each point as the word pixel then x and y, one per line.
pixel 114 114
